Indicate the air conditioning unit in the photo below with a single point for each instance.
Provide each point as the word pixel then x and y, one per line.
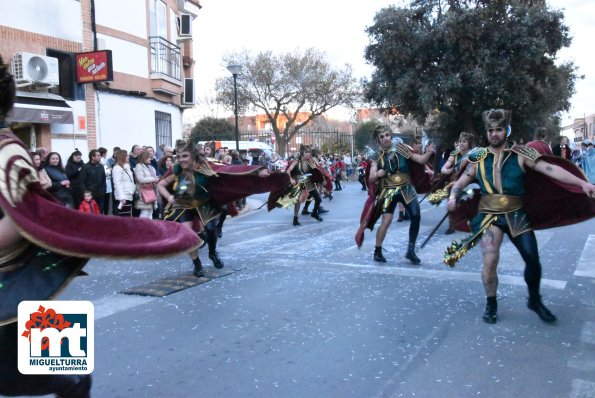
pixel 28 68
pixel 185 25
pixel 188 94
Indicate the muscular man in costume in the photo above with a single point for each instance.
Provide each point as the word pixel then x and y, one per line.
pixel 505 207
pixel 40 254
pixel 390 171
pixel 199 188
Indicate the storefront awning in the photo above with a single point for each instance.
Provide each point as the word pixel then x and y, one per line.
pixel 41 110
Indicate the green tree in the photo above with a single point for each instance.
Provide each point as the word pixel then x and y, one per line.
pixel 363 135
pixel 453 59
pixel 211 128
pixel 291 89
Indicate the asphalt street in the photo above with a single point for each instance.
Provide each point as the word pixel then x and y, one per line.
pixel 308 314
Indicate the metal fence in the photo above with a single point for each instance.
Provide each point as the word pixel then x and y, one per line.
pixel 327 141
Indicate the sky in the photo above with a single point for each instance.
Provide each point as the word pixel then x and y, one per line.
pixel 338 28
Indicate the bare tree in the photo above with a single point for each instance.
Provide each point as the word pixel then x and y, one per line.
pixel 291 89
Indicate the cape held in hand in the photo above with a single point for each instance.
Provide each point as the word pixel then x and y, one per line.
pixel 59 241
pixel 546 203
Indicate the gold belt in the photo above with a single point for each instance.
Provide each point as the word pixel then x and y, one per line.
pixel 496 203
pixel 398 179
pixel 188 203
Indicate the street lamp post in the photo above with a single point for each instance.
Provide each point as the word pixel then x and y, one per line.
pixel 235 70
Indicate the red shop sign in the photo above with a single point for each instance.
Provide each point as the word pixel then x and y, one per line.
pixel 93 67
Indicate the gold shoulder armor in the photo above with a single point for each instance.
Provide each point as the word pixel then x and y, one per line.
pixel 477 154
pixel 526 152
pixel 455 152
pixel 404 150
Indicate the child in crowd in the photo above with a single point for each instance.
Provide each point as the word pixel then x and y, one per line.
pixel 89 205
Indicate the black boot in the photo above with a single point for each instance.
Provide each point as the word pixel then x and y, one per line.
pixel 490 314
pixel 410 255
pixel 80 386
pixel 406 216
pixel 400 219
pixel 305 210
pixel 316 216
pixel 295 221
pixel 198 271
pixel 535 304
pixel 203 235
pixel 219 231
pixel 214 256
pixel 378 257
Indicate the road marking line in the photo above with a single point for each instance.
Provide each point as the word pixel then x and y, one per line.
pixel 582 389
pixel 110 305
pixel 586 265
pixel 588 333
pixel 584 365
pixel 438 274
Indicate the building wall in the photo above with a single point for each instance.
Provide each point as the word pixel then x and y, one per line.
pixel 54 18
pixel 126 121
pixel 128 16
pixel 580 129
pixel 122 113
pixel 17 36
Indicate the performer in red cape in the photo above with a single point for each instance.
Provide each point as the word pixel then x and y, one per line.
pixel 303 174
pixel 200 188
pixel 521 190
pixel 539 143
pixel 448 175
pixel 397 173
pixel 44 245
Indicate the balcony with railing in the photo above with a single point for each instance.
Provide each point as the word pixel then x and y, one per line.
pixel 166 58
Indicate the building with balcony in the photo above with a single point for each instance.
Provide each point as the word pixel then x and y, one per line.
pixel 580 129
pixel 151 80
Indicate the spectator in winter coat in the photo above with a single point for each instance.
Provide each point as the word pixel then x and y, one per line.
pixel 44 179
pixel 144 173
pixel 93 177
pixel 89 205
pixel 74 164
pixel 60 183
pixel 124 186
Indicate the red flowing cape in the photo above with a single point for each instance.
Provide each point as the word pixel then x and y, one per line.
pixel 547 202
pixel 47 223
pixel 61 239
pixel 234 182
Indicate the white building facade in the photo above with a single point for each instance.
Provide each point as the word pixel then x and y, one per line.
pixel 142 103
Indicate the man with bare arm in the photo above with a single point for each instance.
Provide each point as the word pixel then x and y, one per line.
pixel 501 175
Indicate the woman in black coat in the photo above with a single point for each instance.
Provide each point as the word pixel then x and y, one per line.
pixel 73 171
pixel 60 183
